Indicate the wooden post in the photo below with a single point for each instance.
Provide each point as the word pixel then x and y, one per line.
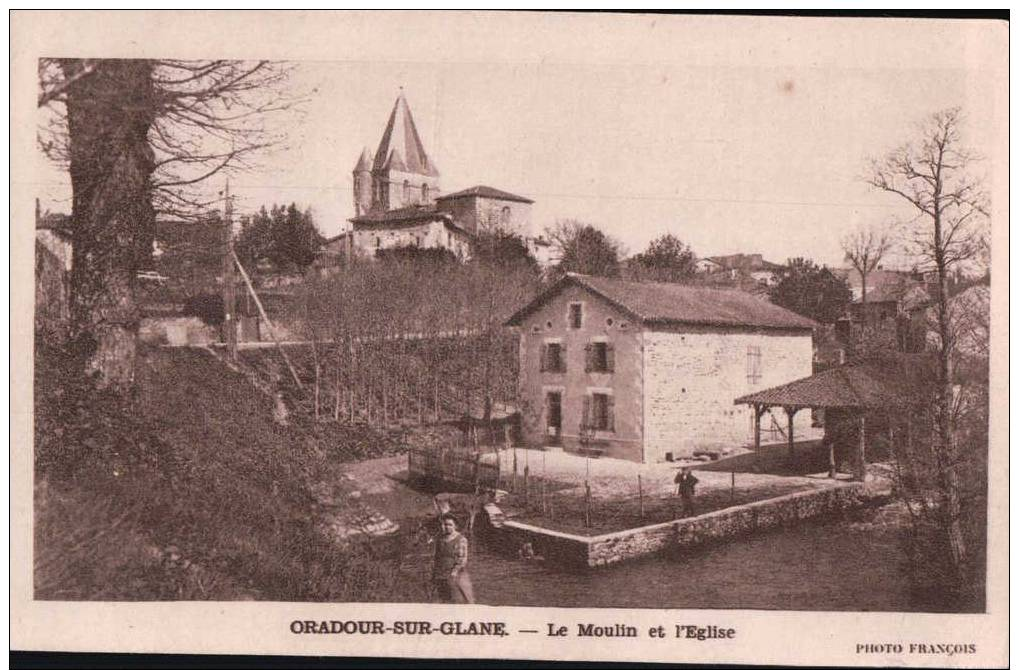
pixel 861 460
pixel 514 487
pixel 336 391
pixel 758 411
pixel 640 495
pixel 732 489
pixel 790 413
pixel 831 452
pixel 587 503
pixel 527 487
pixel 229 277
pixel 435 398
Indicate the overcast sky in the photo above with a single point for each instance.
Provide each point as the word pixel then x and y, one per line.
pixel 736 140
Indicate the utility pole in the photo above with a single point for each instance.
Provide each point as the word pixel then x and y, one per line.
pixel 229 275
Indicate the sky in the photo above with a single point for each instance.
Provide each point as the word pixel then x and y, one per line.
pixel 728 148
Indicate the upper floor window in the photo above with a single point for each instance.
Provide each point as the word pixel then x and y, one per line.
pixel 600 357
pixel 504 216
pixel 553 357
pixel 753 364
pixel 406 192
pixel 378 242
pixel 576 315
pixel 424 192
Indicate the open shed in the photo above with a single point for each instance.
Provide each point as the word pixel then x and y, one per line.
pixel 846 394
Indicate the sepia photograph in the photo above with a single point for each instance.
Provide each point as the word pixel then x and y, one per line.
pixel 709 331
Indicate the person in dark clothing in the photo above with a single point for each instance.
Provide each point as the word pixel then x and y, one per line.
pixel 685 483
pixel 449 569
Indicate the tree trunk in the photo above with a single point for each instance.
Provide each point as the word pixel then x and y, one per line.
pixel 109 114
pixel 947 457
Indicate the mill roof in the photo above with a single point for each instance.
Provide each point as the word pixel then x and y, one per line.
pixel 485 192
pixel 401 147
pixel 666 303
pixel 864 386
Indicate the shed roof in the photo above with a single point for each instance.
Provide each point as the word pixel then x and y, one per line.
pixel 666 303
pixel 863 386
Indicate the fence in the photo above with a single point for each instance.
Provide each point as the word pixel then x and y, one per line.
pixel 453 467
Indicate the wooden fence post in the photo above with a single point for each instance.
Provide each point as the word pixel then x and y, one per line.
pixel 527 486
pixel 640 495
pixel 587 504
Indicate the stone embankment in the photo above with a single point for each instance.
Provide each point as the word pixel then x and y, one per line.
pixel 714 526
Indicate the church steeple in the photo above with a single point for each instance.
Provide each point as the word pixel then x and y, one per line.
pixel 401 142
pixel 400 173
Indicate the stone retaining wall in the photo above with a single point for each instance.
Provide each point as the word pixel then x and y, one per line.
pixel 722 524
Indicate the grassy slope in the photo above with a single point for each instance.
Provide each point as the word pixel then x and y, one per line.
pixel 186 489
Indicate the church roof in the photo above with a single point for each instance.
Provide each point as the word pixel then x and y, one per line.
pixel 485 192
pixel 364 163
pixel 401 147
pixel 405 216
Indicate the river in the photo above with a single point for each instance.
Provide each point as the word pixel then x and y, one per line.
pixel 844 564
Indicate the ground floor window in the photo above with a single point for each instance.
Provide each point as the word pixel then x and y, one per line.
pixel 599 412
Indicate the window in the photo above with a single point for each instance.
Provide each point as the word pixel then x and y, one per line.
pixel 553 358
pixel 378 242
pixel 424 192
pixel 406 192
pixel 449 239
pixel 504 217
pixel 599 410
pixel 599 357
pixel 576 315
pixel 753 364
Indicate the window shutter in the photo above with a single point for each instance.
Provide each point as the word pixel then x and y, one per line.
pixel 544 358
pixel 610 413
pixel 588 355
pixel 585 421
pixel 610 358
pixel 562 358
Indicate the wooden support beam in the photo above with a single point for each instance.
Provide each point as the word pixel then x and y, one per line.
pixel 860 468
pixel 790 413
pixel 758 410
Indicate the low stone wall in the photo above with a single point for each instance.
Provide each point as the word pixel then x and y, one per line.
pixel 722 524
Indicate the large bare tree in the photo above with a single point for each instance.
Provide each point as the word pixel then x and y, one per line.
pixel 140 137
pixel 864 249
pixel 936 174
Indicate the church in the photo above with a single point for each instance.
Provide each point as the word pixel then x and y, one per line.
pixel 398 202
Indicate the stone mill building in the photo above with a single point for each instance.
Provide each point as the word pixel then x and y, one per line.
pixel 649 371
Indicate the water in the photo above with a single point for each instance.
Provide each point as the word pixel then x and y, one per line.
pixel 834 565
pixel 812 567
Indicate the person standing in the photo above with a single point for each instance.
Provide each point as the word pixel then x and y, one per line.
pixel 449 569
pixel 685 483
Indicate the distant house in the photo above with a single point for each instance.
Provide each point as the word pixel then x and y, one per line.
pixel 890 294
pixel 707 266
pixel 753 266
pixel 649 371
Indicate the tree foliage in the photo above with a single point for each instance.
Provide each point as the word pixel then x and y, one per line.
pixel 812 291
pixel 584 249
pixel 666 259
pixel 284 235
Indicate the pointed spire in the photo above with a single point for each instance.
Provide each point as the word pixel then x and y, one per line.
pixel 364 163
pixel 402 140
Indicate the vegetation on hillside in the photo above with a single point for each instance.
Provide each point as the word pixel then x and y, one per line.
pixel 186 489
